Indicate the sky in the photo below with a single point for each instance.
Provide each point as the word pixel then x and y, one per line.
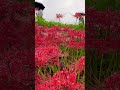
pixel 65 7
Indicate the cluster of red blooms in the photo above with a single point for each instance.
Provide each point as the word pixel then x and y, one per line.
pixel 103 37
pixel 80 66
pixel 45 55
pixel 47 41
pixel 16 66
pixel 47 52
pixel 112 82
pixel 59 16
pixel 79 15
pixel 62 79
pixel 57 36
pixel 102 32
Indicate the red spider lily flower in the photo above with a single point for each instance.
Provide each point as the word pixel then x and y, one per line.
pixel 15 67
pixel 80 66
pixel 112 82
pixel 77 39
pixel 61 80
pixel 46 55
pixel 47 51
pixel 59 16
pixel 79 16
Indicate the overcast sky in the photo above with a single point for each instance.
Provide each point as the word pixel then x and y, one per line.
pixel 65 7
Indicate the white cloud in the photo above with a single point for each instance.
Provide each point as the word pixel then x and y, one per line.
pixel 65 7
pixel 39 0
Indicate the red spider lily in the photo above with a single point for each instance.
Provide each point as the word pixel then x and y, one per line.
pixel 77 39
pixel 15 67
pixel 112 82
pixel 47 51
pixel 79 16
pixel 59 16
pixel 107 21
pixel 59 36
pixel 61 80
pixel 46 55
pixel 80 66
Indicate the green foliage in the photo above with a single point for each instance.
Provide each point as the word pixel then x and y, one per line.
pixel 32 1
pixel 43 22
pixel 104 4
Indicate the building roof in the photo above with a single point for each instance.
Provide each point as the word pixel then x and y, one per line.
pixel 39 5
pixel 83 14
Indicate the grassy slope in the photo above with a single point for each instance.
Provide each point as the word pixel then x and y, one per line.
pixel 43 22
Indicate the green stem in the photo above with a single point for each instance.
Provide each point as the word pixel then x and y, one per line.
pixel 100 73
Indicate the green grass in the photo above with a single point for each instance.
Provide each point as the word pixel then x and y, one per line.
pixel 104 4
pixel 43 22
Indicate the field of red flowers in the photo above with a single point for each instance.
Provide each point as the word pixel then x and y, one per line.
pixel 59 52
pixel 59 58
